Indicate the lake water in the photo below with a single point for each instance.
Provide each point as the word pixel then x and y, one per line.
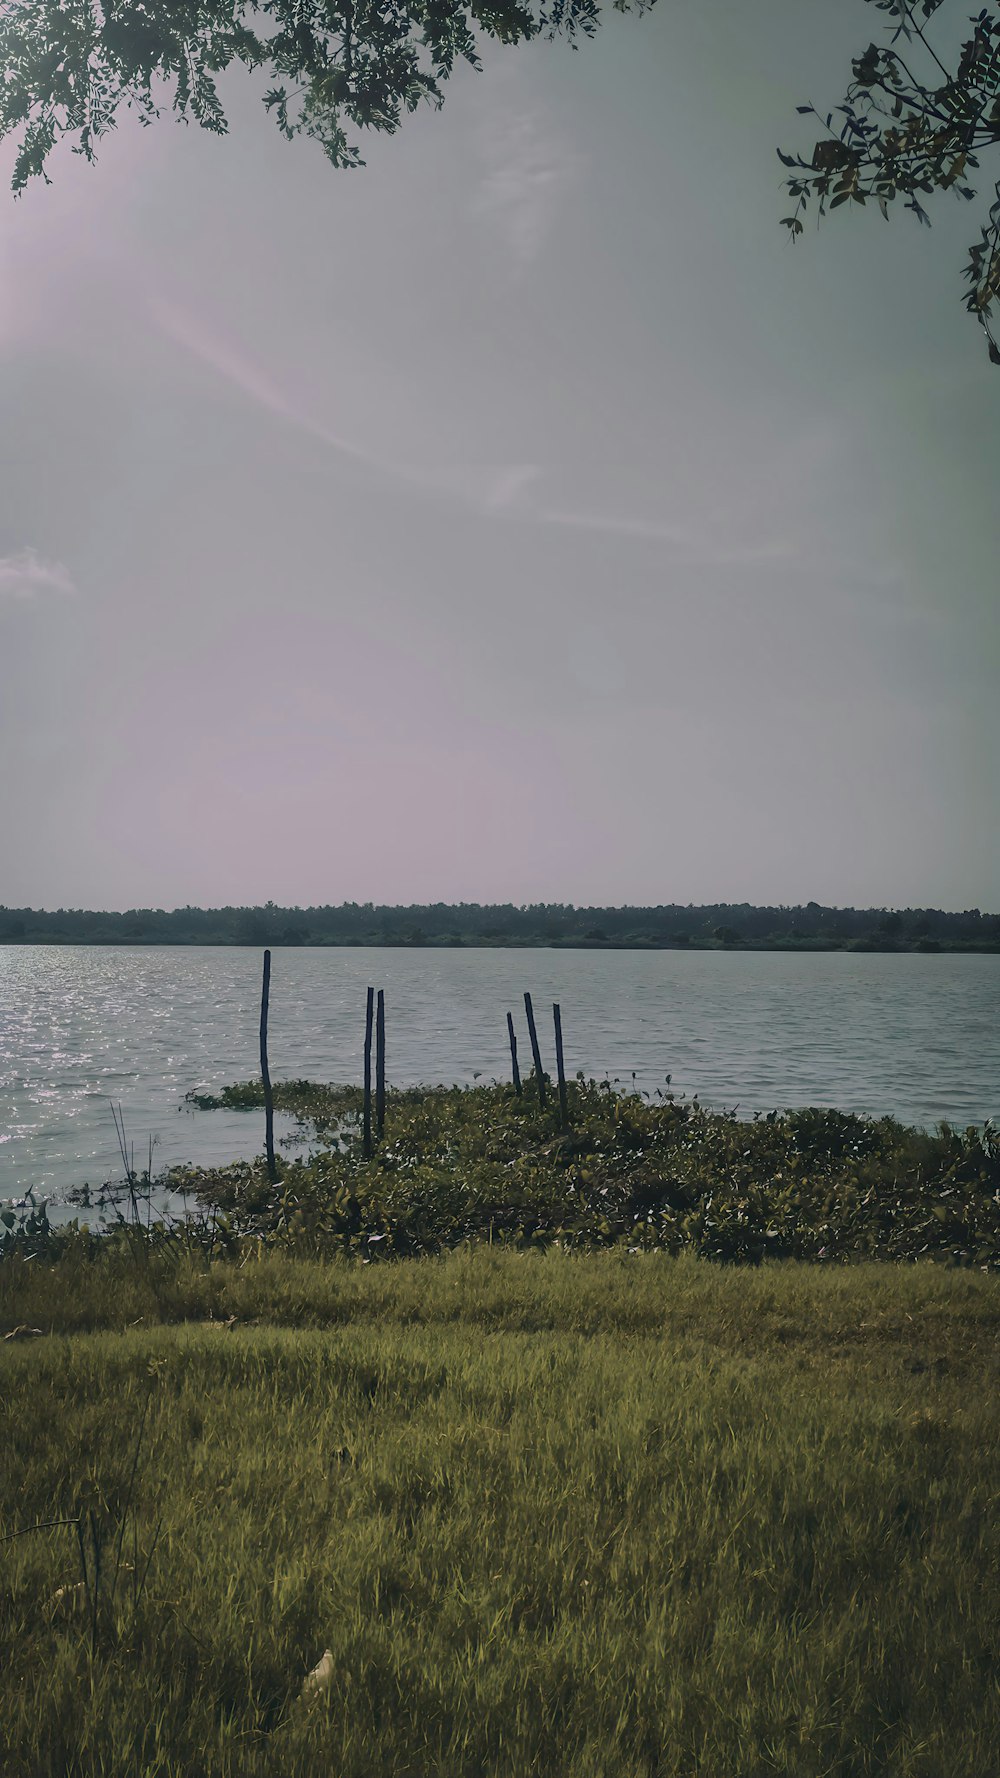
pixel 914 1035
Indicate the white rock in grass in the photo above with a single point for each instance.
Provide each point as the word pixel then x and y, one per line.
pixel 320 1677
pixel 73 1594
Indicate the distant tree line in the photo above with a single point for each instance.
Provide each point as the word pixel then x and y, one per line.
pixel 722 925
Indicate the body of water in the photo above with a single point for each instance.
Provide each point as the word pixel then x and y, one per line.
pixel 917 1036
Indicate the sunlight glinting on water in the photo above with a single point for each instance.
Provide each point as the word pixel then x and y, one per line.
pixel 84 1028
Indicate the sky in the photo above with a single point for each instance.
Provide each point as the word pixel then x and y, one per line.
pixel 517 518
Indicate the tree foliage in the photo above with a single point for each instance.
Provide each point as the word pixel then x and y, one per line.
pixel 919 112
pixel 337 66
pixel 542 923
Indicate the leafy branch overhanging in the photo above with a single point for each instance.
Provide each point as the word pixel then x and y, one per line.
pixel 916 118
pixel 338 66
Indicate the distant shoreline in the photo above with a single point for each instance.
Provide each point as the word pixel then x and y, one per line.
pixel 712 926
pixel 853 947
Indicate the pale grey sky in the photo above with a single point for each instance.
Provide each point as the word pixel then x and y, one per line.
pixel 515 518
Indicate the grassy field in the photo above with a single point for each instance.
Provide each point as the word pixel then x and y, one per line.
pixel 601 1516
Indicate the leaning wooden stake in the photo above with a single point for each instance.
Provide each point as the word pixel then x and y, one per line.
pixel 535 1051
pixel 515 1070
pixel 560 1071
pixel 272 1171
pixel 380 1065
pixel 367 1128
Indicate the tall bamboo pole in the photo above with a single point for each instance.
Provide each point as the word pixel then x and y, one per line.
pixel 265 996
pixel 367 1127
pixel 535 1051
pixel 380 1065
pixel 560 1070
pixel 515 1070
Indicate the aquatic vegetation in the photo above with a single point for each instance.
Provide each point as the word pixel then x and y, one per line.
pixel 480 1164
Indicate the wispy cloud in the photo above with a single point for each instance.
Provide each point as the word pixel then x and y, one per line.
pixel 508 482
pixel 718 544
pixel 487 487
pixel 528 167
pixel 237 368
pixel 693 546
pixel 27 575
pixel 658 529
pixel 509 491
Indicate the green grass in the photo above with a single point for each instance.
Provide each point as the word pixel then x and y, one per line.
pixel 601 1516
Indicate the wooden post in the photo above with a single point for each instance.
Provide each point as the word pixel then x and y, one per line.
pixel 367 1128
pixel 560 1071
pixel 513 1056
pixel 265 1073
pixel 380 1065
pixel 535 1051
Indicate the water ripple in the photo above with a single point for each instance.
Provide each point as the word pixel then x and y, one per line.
pixel 913 1035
